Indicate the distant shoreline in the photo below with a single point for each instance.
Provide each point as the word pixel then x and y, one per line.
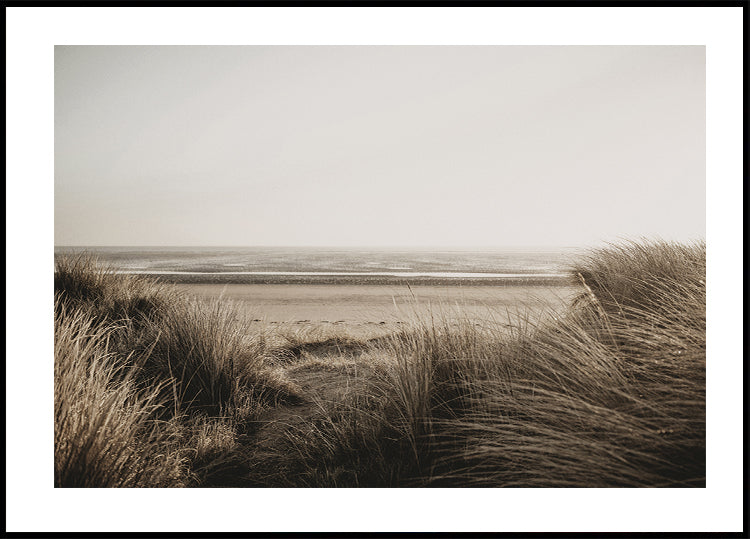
pixel 361 279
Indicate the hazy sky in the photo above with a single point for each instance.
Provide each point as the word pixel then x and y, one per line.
pixel 443 146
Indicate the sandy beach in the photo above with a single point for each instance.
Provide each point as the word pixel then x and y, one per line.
pixel 364 309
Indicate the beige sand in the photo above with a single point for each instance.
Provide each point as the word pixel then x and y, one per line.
pixel 380 308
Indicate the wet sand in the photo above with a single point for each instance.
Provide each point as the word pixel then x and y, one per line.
pixel 381 308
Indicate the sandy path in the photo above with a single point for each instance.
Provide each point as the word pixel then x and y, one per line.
pixel 320 386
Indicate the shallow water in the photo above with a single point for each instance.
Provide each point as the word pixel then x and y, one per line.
pixel 456 264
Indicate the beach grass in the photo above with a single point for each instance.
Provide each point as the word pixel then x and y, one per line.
pixel 105 434
pixel 154 388
pixel 134 355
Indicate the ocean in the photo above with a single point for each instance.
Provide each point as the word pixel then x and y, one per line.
pixel 334 265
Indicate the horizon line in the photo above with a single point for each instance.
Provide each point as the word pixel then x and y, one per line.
pixel 323 246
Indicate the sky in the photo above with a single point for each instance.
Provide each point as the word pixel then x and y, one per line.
pixel 379 146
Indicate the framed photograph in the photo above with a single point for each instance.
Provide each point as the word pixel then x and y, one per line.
pixel 428 262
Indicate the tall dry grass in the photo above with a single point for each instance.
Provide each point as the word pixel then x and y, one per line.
pixel 105 435
pixel 150 384
pixel 609 393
